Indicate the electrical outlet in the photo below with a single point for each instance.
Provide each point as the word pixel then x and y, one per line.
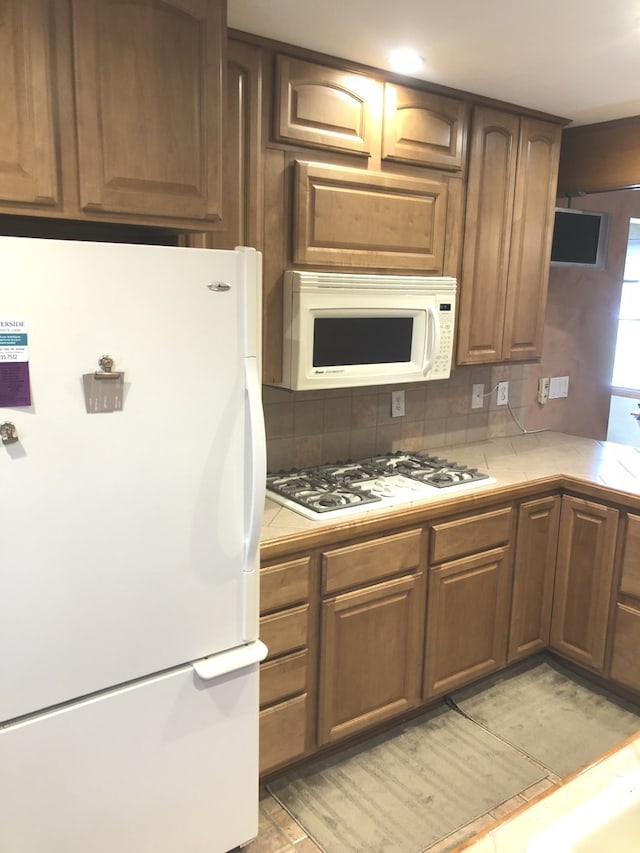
pixel 477 396
pixel 397 404
pixel 543 389
pixel 503 393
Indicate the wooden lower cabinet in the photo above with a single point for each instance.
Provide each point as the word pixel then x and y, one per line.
pixel 625 653
pixel 366 631
pixel 286 680
pixel 283 732
pixel 371 651
pixel 625 658
pixel 467 620
pixel 533 576
pixel 584 575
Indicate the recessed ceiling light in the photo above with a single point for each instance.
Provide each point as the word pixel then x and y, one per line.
pixel 405 60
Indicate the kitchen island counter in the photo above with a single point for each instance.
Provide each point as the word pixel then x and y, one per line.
pixel 541 459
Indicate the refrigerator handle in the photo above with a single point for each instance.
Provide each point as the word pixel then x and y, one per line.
pixel 257 461
pixel 230 661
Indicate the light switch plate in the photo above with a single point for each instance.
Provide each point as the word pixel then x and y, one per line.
pixel 558 387
pixel 477 396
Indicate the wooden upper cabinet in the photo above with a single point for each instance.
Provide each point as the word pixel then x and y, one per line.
pixel 28 138
pixel 149 106
pixel 242 182
pixel 424 129
pixel 487 235
pixel 600 157
pixel 327 108
pixel 513 164
pixel 531 237
pixel 360 218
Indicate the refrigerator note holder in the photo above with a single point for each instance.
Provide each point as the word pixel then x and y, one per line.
pixel 103 388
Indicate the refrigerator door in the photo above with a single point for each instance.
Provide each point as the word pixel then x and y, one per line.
pixel 168 764
pixel 126 546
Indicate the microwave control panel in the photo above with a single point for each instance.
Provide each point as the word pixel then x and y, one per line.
pixel 442 363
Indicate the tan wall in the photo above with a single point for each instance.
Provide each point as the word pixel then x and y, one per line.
pixel 580 330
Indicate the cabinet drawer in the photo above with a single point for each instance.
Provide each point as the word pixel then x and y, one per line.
pixel 284 584
pixel 285 632
pixel 283 731
pixel 368 561
pixel 630 580
pixel 470 535
pixel 282 678
pixel 625 661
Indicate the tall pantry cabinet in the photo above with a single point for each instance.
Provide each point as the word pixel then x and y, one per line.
pixel 511 190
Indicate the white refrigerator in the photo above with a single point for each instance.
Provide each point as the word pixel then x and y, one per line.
pixel 132 496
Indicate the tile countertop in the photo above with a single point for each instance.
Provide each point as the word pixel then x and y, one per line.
pixel 513 460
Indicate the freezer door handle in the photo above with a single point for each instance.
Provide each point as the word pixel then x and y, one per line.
pixel 230 661
pixel 257 460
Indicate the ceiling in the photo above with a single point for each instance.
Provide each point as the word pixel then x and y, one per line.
pixel 579 59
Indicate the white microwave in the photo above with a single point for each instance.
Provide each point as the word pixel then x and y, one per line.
pixel 344 330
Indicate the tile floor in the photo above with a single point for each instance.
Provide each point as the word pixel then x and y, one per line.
pixel 279 833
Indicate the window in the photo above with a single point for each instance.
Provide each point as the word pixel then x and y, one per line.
pixel 626 373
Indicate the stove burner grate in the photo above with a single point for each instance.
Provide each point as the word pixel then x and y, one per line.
pixel 387 477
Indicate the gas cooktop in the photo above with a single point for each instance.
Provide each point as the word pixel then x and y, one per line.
pixel 377 482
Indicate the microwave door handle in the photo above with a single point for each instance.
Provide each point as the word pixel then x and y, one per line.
pixel 433 323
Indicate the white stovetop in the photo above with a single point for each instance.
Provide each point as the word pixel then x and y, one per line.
pixel 512 460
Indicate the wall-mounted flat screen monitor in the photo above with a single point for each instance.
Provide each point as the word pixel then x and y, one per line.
pixel 580 238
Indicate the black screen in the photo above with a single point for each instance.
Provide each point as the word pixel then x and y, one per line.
pixel 361 340
pixel 576 237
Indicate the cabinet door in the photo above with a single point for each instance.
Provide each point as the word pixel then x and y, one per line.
pixel 28 147
pixel 467 620
pixel 584 572
pixel 630 578
pixel 625 657
pixel 423 128
pixel 242 182
pixel 326 107
pixel 532 233
pixel 371 655
pixel 360 218
pixel 533 576
pixel 487 235
pixel 148 94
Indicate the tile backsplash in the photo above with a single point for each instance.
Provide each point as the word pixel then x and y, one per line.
pixel 319 427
